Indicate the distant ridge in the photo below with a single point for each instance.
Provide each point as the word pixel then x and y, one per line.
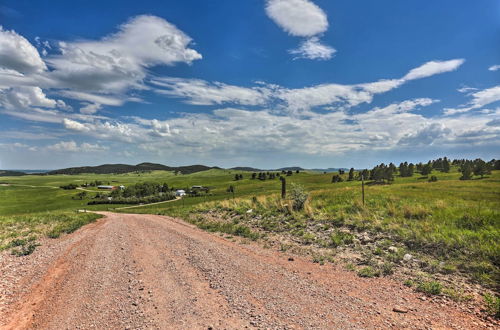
pixel 124 168
pixel 330 169
pixel 252 169
pixel 11 173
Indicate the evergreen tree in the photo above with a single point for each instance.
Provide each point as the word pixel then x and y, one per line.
pixel 481 168
pixel 351 174
pixel 426 169
pixel 466 170
pixel 445 165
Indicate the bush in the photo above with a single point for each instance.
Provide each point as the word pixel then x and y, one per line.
pixel 430 287
pixel 492 305
pixel 299 196
pixel 368 272
pixel 433 179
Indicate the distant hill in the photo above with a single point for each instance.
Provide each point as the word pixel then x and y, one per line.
pixel 124 168
pixel 248 169
pixel 330 169
pixel 11 173
pixel 292 168
pixel 252 169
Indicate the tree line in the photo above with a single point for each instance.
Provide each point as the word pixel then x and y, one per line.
pixel 383 173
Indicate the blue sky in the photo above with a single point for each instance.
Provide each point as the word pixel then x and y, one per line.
pixel 254 83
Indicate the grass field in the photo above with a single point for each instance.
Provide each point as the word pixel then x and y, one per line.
pixel 452 220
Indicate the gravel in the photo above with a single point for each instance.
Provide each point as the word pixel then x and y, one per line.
pixel 131 271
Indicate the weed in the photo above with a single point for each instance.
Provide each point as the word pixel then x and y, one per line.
pixel 339 238
pixel 25 250
pixel 430 287
pixel 387 268
pixel 409 283
pixel 492 305
pixel 368 271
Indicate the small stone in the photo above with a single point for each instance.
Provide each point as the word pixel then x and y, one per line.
pixel 393 249
pixel 249 211
pixel 407 257
pixel 399 309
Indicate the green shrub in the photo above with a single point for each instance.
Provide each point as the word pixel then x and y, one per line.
pixel 299 196
pixel 387 268
pixel 339 238
pixel 368 271
pixel 492 305
pixel 430 287
pixel 25 250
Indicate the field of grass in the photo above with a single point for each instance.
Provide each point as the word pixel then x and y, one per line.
pixel 21 232
pixel 452 220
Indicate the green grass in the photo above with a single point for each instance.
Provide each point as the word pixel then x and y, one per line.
pixel 20 232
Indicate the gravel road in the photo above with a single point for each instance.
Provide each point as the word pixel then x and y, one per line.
pixel 135 271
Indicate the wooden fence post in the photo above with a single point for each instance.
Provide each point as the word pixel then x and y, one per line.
pixel 283 187
pixel 363 188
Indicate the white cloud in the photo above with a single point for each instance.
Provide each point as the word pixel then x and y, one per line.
pixel 119 61
pixel 201 92
pixel 25 97
pixel 298 17
pixel 313 49
pixel 90 108
pixel 18 54
pixel 479 100
pixel 494 67
pixel 433 67
pixel 427 135
pixel 72 146
pixel 74 125
pixel 98 72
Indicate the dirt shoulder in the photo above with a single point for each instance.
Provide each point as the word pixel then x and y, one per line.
pixel 148 271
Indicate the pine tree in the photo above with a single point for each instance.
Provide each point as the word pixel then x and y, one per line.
pixel 351 174
pixel 481 168
pixel 466 170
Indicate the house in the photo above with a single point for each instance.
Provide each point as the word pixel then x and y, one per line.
pixel 106 187
pixel 180 193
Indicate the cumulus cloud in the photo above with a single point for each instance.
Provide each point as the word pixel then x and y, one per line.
pixel 426 135
pixel 18 54
pixel 494 67
pixel 235 131
pixel 433 67
pixel 96 72
pixel 313 49
pixel 119 61
pixel 24 97
pixel 300 18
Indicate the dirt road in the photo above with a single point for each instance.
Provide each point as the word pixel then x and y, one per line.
pixel 144 271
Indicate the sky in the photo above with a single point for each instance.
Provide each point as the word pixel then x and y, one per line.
pixel 262 83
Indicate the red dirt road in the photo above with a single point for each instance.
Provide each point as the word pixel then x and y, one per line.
pixel 131 271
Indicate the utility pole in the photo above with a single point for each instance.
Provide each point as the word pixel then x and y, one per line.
pixel 363 188
pixel 283 187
